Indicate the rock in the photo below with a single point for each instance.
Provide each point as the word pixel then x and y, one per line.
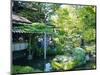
pixel 87 58
pixel 47 67
pixel 30 57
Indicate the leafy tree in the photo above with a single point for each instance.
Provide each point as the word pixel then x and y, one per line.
pixel 88 17
pixel 76 20
pixel 35 11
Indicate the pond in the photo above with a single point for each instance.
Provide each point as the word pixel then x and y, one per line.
pixel 40 65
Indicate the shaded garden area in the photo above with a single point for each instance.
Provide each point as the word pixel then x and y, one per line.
pixel 50 37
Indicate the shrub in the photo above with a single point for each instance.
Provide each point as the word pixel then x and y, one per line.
pixel 22 69
pixel 62 62
pixel 68 62
pixel 79 56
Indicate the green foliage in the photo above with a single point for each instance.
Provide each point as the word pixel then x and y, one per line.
pixel 62 62
pixel 76 21
pixel 71 19
pixel 79 56
pixel 88 17
pixel 71 23
pixel 68 62
pixel 69 65
pixel 91 49
pixel 35 11
pixel 30 10
pixel 22 69
pixel 89 35
pixel 35 27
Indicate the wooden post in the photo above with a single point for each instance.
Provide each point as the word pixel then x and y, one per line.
pixel 30 45
pixel 45 45
pixel 30 54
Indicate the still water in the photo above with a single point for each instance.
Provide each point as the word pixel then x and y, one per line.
pixel 41 65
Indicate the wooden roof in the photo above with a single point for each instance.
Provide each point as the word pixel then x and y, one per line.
pixel 18 19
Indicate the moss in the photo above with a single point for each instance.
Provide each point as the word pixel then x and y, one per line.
pixel 22 69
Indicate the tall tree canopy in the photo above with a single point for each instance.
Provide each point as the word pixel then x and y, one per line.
pixel 69 19
pixel 35 11
pixel 75 19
